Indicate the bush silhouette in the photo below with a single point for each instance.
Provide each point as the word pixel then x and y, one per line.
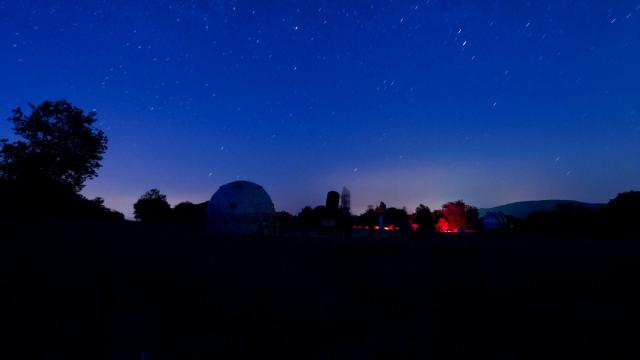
pixel 152 207
pixel 189 213
pixel 35 200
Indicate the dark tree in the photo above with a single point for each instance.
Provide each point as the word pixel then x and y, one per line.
pixel 397 217
pixel 189 213
pixel 565 219
pixel 95 209
pixel 369 218
pixel 424 218
pixel 305 219
pixel 317 214
pixel 472 218
pixel 41 173
pixel 58 144
pixel 284 221
pixel 623 212
pixel 305 216
pixel 310 217
pixel 625 205
pixel 152 207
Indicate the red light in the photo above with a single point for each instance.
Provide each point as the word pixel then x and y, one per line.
pixel 443 226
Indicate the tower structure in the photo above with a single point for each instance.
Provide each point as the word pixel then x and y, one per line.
pixel 345 199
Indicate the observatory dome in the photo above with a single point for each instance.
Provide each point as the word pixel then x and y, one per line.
pixel 240 208
pixel 494 221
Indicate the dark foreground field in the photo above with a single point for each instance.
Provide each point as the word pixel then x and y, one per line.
pixel 136 292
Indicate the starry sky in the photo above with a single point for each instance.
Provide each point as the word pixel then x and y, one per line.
pixel 408 102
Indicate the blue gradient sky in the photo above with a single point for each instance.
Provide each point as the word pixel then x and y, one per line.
pixel 403 101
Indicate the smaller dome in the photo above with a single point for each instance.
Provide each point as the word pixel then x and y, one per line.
pixel 240 208
pixel 494 220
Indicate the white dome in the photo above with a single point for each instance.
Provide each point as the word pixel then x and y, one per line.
pixel 240 208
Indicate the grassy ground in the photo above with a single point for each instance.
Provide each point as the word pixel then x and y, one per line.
pixel 131 291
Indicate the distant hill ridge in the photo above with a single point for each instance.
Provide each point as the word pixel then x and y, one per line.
pixel 522 209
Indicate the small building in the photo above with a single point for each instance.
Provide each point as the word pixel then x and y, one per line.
pixel 240 208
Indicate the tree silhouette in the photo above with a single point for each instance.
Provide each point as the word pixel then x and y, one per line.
pixel 41 173
pixel 95 209
pixel 623 212
pixel 369 218
pixel 424 218
pixel 284 221
pixel 189 213
pixel 59 144
pixel 564 219
pixel 397 217
pixel 460 216
pixel 305 217
pixel 152 207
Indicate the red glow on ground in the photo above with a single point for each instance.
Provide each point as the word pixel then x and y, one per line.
pixel 376 227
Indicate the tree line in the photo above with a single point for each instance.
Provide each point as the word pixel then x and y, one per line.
pixel 618 217
pixel 153 207
pixel 58 148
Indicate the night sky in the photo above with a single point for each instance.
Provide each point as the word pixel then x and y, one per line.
pixel 403 101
